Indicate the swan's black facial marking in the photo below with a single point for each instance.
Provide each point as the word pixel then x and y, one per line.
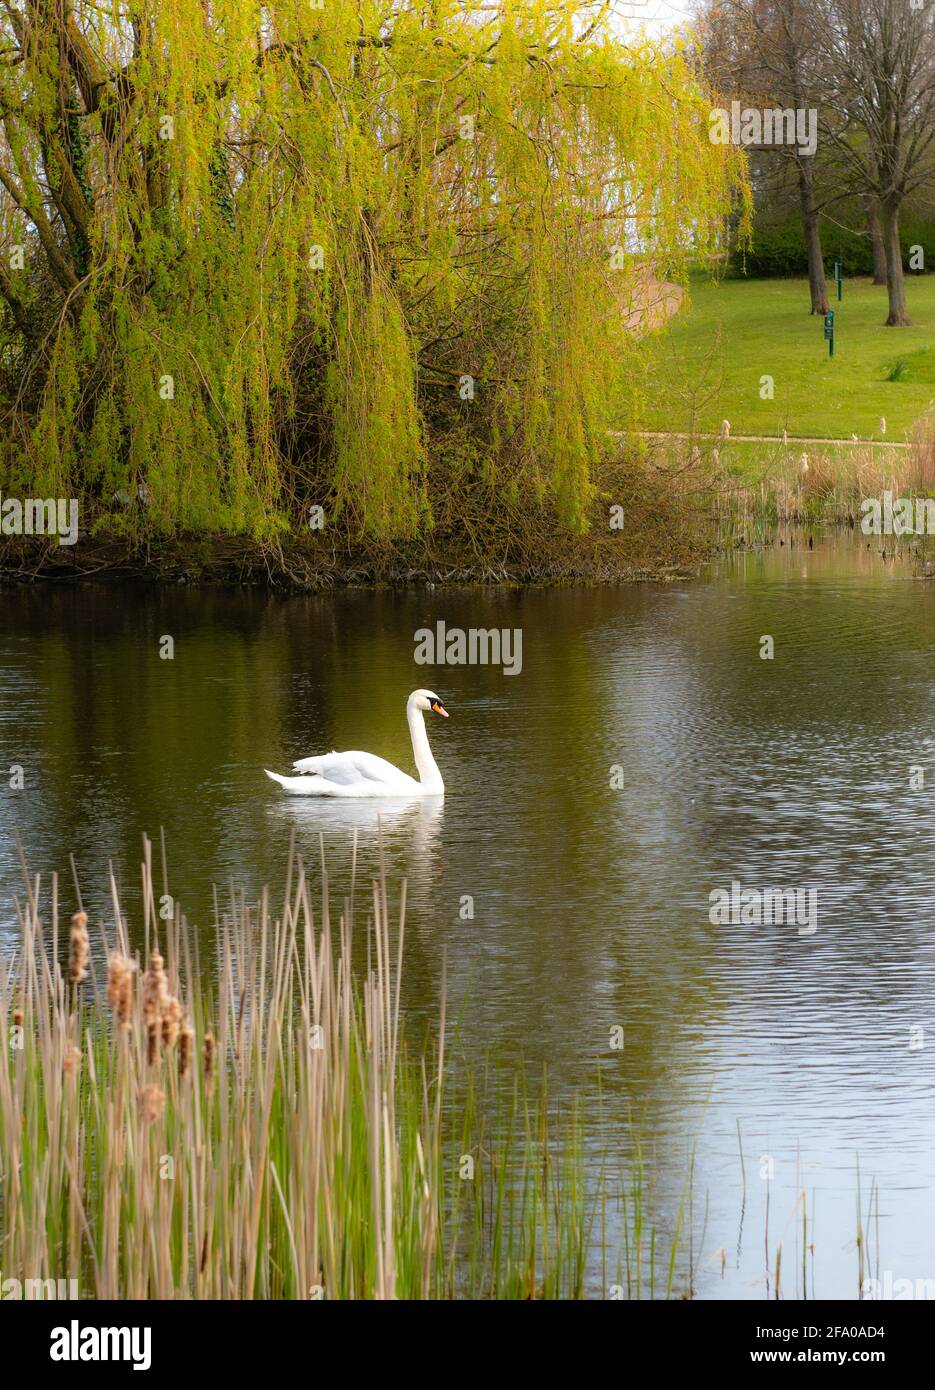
pixel 439 708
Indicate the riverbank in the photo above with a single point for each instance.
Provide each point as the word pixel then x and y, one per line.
pixel 300 565
pixel 660 510
pixel 750 490
pixel 643 526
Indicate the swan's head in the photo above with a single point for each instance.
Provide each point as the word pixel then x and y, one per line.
pixel 427 699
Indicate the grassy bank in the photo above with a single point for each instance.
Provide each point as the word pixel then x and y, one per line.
pixel 731 334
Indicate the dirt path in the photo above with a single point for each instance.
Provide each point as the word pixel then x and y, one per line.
pixel 790 440
pixel 650 304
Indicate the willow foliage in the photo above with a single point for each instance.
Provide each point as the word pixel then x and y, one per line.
pixel 257 257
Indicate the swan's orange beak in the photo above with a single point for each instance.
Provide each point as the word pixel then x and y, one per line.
pixel 438 707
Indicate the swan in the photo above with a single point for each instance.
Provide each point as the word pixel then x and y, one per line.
pixel 364 774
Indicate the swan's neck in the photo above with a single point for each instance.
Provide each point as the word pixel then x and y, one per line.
pixel 429 775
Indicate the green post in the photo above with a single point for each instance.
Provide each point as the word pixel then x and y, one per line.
pixel 829 331
pixel 840 279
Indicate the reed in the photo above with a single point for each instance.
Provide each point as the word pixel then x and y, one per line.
pixel 262 1129
pixel 740 494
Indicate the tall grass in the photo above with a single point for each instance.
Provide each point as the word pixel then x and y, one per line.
pixel 740 494
pixel 262 1129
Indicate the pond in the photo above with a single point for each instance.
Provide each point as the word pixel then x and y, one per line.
pixel 643 756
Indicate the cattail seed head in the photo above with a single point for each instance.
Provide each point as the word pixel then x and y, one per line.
pixel 120 987
pixel 152 1102
pixel 80 948
pixel 154 990
pixel 209 1058
pixel 71 1060
pixel 171 1019
pixel 186 1038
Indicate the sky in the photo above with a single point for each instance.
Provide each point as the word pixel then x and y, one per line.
pixel 657 15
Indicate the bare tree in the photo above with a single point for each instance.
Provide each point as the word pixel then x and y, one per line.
pixel 875 232
pixel 770 51
pixel 879 110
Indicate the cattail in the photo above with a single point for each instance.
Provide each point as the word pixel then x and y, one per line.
pixel 152 1102
pixel 120 987
pixel 154 990
pixel 185 1049
pixel 171 1019
pixel 17 1018
pixel 209 1057
pixel 152 1043
pixel 71 1060
pixel 80 948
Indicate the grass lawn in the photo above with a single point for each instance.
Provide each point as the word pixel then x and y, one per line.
pixel 729 335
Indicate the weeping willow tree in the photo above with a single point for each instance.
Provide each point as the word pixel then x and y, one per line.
pixel 368 256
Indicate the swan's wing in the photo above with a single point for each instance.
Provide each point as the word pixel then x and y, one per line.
pixel 308 786
pixel 350 769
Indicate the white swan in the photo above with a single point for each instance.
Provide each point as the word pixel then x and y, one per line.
pixel 364 774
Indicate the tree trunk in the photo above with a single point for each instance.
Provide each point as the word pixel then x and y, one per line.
pixel 816 264
pixel 895 281
pixel 875 231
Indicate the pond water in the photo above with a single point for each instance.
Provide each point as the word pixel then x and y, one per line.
pixel 590 899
